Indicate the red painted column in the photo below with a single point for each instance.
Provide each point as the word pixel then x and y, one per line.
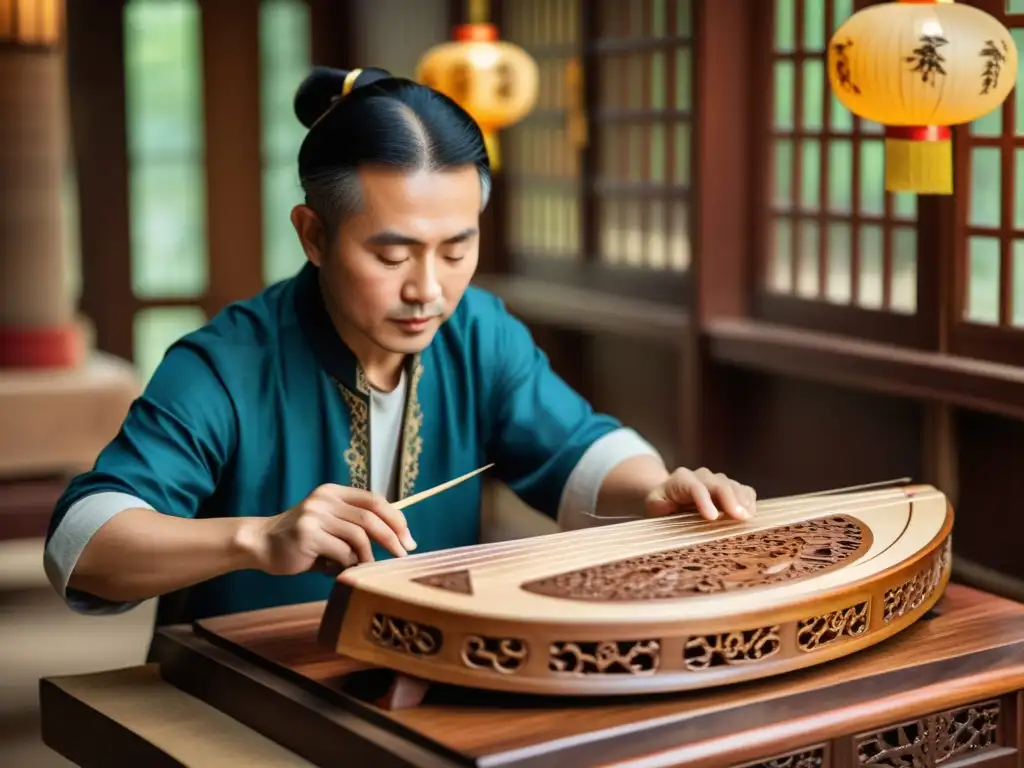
pixel 38 327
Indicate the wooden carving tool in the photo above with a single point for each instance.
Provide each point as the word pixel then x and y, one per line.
pixel 408 501
pixel 324 565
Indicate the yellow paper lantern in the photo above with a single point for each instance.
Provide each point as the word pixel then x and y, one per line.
pixel 919 67
pixel 31 22
pixel 495 81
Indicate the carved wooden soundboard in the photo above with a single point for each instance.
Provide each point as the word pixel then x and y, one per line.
pixel 679 603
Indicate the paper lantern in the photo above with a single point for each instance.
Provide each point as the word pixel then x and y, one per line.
pixel 31 22
pixel 919 67
pixel 495 81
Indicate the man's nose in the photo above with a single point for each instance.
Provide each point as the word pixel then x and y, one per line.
pixel 423 286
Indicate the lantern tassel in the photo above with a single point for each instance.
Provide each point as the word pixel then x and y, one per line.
pixel 493 150
pixel 919 159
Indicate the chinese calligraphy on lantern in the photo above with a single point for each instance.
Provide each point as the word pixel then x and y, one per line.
pixel 994 59
pixel 843 76
pixel 927 59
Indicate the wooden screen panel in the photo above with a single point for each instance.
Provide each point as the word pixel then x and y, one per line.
pixel 642 122
pixel 542 167
pixel 167 173
pixel 835 235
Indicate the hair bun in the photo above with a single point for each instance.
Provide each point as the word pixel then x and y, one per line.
pixel 324 85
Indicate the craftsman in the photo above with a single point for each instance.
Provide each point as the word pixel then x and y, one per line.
pixel 275 439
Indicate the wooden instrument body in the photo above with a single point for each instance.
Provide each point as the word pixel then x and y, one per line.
pixel 673 604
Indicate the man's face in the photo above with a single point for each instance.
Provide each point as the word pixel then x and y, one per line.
pixel 398 267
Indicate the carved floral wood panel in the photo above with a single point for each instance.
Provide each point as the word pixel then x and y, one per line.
pixel 943 738
pixel 950 738
pixel 781 554
pixel 811 757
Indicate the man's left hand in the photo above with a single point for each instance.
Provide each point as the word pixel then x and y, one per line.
pixel 712 493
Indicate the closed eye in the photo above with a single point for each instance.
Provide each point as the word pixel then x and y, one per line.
pixel 391 260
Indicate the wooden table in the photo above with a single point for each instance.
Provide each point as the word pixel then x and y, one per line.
pixel 256 691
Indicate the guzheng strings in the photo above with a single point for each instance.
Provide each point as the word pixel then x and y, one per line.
pixel 672 530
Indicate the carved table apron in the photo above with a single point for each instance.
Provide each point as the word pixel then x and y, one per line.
pixel 945 691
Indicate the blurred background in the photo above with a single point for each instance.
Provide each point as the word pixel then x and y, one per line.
pixel 694 228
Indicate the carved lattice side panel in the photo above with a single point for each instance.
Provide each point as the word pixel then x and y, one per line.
pixel 637 657
pixel 909 595
pixel 727 648
pixel 398 634
pixel 944 738
pixel 495 654
pixel 818 631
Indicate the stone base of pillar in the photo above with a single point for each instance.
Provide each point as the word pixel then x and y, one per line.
pixel 63 346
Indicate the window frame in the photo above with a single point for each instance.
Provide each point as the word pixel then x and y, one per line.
pixel 1000 343
pixel 587 270
pixel 915 329
pixel 231 130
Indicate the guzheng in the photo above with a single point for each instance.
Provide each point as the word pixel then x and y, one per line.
pixel 668 604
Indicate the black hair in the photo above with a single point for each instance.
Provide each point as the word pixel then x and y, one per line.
pixel 377 119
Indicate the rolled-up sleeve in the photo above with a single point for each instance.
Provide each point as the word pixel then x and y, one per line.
pixel 167 456
pixel 579 499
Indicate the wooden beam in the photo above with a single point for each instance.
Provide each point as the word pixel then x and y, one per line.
pixel 588 311
pixel 100 145
pixel 868 366
pixel 335 39
pixel 234 164
pixel 722 218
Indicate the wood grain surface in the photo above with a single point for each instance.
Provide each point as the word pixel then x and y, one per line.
pixel 128 718
pixel 267 670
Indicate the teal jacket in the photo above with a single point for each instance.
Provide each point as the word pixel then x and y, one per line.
pixel 247 415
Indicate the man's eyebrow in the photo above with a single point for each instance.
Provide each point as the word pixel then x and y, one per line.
pixel 391 237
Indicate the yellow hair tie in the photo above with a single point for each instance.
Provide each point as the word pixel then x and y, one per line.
pixel 350 80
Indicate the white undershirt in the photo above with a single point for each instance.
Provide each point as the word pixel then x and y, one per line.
pixel 386 409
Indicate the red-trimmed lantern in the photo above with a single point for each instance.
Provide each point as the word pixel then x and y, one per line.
pixel 918 67
pixel 495 81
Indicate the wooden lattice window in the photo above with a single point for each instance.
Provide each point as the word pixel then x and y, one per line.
pixel 167 179
pixel 176 284
pixel 285 59
pixel 642 123
pixel 838 251
pixel 607 205
pixel 542 169
pixel 990 219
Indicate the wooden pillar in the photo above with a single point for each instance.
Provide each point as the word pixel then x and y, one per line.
pixel 57 408
pixel 234 164
pixel 724 135
pixel 37 317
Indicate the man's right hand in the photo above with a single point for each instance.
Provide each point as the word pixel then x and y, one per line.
pixel 334 524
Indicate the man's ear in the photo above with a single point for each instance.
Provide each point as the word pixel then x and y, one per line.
pixel 311 233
